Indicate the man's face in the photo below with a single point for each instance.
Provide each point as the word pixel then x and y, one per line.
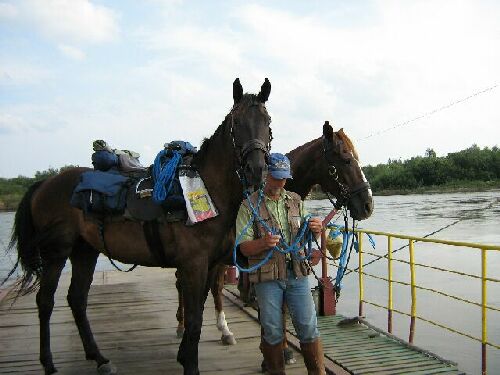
pixel 274 185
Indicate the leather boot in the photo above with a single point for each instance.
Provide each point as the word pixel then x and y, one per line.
pixel 313 357
pixel 273 356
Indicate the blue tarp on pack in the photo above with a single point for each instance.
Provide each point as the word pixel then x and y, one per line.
pixel 100 193
pixel 108 183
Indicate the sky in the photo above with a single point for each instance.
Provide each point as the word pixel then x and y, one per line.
pixel 398 76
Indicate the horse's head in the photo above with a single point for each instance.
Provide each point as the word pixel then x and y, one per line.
pixel 345 179
pixel 250 132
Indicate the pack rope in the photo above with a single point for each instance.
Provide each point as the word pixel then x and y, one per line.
pixel 164 175
pixel 303 240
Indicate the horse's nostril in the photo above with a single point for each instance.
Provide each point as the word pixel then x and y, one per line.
pixel 368 207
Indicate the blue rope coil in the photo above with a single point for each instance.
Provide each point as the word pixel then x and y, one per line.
pixel 303 239
pixel 164 175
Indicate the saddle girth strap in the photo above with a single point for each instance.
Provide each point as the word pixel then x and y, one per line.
pixel 100 225
pixel 152 234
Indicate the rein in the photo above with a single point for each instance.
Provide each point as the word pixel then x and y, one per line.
pixel 345 193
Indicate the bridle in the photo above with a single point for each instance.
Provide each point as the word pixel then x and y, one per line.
pixel 242 151
pixel 345 193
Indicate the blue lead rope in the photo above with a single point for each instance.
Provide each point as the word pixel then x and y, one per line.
pixel 164 175
pixel 336 230
pixel 303 240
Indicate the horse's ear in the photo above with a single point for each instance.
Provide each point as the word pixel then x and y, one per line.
pixel 237 91
pixel 265 90
pixel 328 131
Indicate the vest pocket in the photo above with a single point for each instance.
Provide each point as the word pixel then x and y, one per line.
pixel 265 273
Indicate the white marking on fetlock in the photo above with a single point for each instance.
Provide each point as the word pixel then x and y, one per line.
pixel 222 324
pixel 180 332
pixel 107 369
pixel 228 339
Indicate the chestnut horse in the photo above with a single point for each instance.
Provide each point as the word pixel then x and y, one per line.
pixel 330 161
pixel 48 231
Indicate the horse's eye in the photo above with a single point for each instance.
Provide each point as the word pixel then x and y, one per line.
pixel 348 161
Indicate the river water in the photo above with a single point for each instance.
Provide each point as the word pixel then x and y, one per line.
pixel 417 215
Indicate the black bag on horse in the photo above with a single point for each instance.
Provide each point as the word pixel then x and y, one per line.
pixel 103 193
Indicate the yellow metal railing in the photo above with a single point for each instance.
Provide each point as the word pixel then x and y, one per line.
pixel 413 285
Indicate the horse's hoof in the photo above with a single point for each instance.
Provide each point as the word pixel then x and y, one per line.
pixel 180 332
pixel 263 366
pixel 288 354
pixel 290 361
pixel 107 369
pixel 228 339
pixel 50 370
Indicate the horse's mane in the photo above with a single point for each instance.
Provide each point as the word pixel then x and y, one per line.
pixel 343 137
pixel 302 147
pixel 347 141
pixel 246 100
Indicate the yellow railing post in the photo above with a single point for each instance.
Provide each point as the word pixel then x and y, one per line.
pixel 389 273
pixel 484 328
pixel 360 273
pixel 413 292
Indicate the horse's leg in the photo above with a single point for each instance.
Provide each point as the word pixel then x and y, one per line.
pixel 45 301
pixel 83 262
pixel 216 288
pixel 180 308
pixel 195 290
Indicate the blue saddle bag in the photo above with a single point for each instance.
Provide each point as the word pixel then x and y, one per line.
pixel 101 193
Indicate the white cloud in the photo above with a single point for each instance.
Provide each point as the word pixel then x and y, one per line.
pixel 8 11
pixel 363 68
pixel 14 73
pixel 72 52
pixel 73 20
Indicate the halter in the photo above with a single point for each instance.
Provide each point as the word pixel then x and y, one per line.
pixel 248 147
pixel 345 193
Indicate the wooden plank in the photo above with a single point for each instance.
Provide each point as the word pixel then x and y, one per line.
pixel 133 319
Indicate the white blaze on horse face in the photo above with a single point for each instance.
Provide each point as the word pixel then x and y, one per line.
pixel 365 180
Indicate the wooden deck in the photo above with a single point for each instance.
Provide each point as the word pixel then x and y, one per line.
pixel 133 318
pixel 360 348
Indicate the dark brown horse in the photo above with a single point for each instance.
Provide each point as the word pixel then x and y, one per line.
pixel 330 161
pixel 48 231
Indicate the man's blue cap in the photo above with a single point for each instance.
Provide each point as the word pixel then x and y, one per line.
pixel 279 166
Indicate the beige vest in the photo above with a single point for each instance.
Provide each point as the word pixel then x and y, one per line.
pixel 276 267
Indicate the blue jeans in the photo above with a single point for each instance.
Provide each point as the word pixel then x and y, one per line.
pixel 297 295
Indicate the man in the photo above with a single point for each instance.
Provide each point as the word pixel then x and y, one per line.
pixel 284 277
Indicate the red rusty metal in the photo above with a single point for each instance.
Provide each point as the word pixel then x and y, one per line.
pixel 327 300
pixel 412 330
pixel 389 321
pixel 483 359
pixel 230 276
pixel 315 257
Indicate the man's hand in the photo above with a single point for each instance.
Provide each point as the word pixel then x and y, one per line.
pixel 256 247
pixel 270 240
pixel 315 225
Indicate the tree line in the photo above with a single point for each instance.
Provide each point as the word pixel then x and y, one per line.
pixel 13 189
pixel 473 168
pixel 470 168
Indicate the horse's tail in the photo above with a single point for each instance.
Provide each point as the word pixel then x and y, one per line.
pixel 24 237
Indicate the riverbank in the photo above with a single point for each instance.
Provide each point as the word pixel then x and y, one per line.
pixel 9 202
pixel 453 187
